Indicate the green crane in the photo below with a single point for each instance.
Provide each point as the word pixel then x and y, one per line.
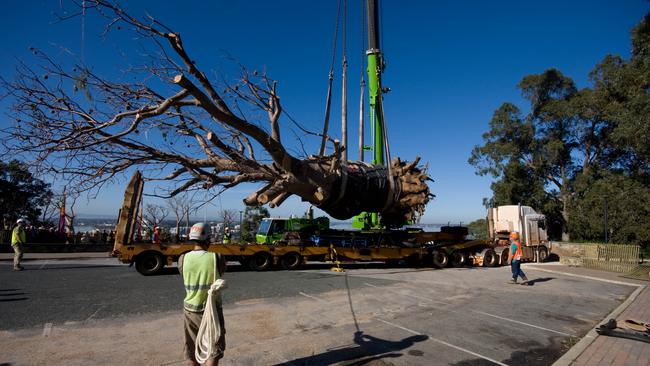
pixel 375 68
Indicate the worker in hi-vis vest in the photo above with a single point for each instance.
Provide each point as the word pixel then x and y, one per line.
pixel 514 258
pixel 200 269
pixel 18 239
pixel 226 235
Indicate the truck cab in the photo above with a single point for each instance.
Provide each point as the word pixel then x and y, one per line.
pixel 273 229
pixel 530 225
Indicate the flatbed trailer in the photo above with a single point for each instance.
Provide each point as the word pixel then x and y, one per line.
pixel 412 246
pixel 150 259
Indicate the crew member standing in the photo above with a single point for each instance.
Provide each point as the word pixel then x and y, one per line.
pixel 226 235
pixel 155 237
pixel 18 238
pixel 200 269
pixel 514 258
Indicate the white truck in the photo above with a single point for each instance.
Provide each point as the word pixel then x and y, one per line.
pixel 501 221
pixel 531 226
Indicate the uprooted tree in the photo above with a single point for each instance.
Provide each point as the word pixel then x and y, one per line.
pixel 182 127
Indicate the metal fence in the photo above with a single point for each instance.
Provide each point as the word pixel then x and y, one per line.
pixel 611 257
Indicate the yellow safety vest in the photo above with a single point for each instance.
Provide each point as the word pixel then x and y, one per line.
pixel 199 272
pixel 18 236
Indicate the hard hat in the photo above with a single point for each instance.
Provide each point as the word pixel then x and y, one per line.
pixel 514 235
pixel 227 228
pixel 20 221
pixel 199 232
pixel 156 228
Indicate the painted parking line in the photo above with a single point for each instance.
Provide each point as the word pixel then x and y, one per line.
pixel 47 329
pixel 413 296
pixel 476 312
pixel 522 323
pixel 430 338
pixel 311 297
pixel 427 335
pixel 586 277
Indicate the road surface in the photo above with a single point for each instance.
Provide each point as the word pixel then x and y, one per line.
pixel 374 316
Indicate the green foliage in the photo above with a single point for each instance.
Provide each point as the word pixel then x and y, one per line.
pixel 252 218
pixel 478 228
pixel 624 201
pixel 21 194
pixel 576 146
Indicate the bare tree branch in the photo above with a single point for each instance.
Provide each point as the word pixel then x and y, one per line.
pixel 73 121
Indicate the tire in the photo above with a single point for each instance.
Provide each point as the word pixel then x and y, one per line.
pixel 458 258
pixel 149 263
pixel 504 257
pixel 490 258
pixel 439 258
pixel 291 261
pixel 543 253
pixel 260 262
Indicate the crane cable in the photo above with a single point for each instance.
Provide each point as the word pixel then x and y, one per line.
pixel 328 102
pixel 344 89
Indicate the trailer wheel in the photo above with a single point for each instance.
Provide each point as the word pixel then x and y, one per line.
pixel 149 263
pixel 543 253
pixel 490 258
pixel 504 257
pixel 458 258
pixel 440 258
pixel 291 261
pixel 260 262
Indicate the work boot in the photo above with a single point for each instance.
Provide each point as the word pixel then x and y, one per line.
pixel 525 280
pixel 513 281
pixel 18 268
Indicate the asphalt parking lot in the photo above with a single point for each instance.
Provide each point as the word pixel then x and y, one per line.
pixel 364 316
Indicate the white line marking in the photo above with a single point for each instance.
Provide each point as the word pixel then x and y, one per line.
pixel 443 342
pixel 95 313
pixel 413 296
pixel 587 277
pixel 478 312
pixel 47 329
pixel 311 297
pixel 44 264
pixel 522 323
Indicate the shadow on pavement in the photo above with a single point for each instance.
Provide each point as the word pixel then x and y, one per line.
pixel 530 356
pixel 16 299
pixel 366 346
pixel 536 280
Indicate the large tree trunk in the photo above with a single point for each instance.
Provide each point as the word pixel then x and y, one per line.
pixel 196 134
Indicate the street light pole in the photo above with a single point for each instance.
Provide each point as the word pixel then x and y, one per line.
pixel 606 228
pixel 241 228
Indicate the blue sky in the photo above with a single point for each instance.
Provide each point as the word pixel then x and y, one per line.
pixel 451 64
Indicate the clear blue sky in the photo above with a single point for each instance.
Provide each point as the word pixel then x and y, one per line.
pixel 450 65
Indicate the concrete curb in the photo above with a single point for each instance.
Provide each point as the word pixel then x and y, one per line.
pixel 572 354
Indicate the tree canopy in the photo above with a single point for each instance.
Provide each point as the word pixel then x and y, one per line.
pixel 21 194
pixel 578 154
